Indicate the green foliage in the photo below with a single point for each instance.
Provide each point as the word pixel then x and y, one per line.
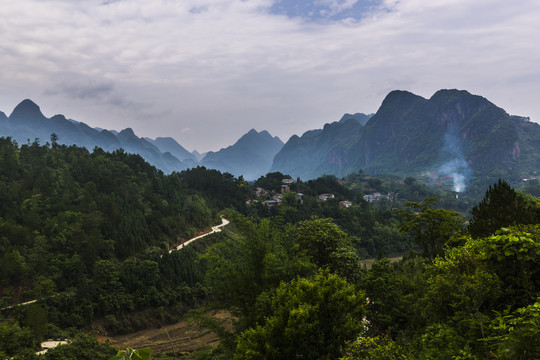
pixel 375 348
pixel 443 341
pixel 464 288
pixel 88 233
pixel 392 291
pixel 271 181
pixel 516 336
pixel 13 338
pixel 501 206
pixel 330 247
pixel 514 254
pixel 311 318
pixel 36 318
pixel 431 228
pixel 132 354
pixel 260 258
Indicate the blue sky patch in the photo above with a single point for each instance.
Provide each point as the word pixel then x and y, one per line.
pixel 324 10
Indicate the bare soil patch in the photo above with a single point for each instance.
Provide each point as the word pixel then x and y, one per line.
pixel 182 337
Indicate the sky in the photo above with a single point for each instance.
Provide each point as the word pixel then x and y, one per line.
pixel 205 72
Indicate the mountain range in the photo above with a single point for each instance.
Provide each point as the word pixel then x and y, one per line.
pixel 453 134
pixel 251 156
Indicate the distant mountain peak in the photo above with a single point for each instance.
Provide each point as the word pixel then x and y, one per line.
pixel 250 156
pixel 166 138
pixel 254 135
pixel 399 96
pixel 127 132
pixel 59 117
pixel 450 92
pixel 358 117
pixel 26 109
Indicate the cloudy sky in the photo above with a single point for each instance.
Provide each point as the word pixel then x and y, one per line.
pixel 207 71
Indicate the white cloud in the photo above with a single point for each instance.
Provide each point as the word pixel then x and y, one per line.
pixel 222 67
pixel 337 6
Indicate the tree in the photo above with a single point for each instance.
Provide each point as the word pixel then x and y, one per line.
pixel 54 140
pixel 459 290
pixel 518 333
pixel 311 318
pixel 36 318
pixel 409 180
pixel 431 228
pixel 13 338
pixel 240 269
pixel 501 206
pixel 470 283
pixel 375 348
pixel 329 247
pixel 391 290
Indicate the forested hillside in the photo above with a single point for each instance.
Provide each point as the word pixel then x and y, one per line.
pixel 87 236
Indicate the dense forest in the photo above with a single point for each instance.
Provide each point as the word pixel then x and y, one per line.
pixel 86 236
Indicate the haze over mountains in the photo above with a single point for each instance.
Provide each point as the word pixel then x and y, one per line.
pixel 251 156
pixel 454 135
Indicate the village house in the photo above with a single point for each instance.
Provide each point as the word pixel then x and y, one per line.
pixel 378 196
pixel 271 203
pixel 324 197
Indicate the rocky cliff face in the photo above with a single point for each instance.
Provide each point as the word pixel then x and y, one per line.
pixel 318 151
pixel 454 134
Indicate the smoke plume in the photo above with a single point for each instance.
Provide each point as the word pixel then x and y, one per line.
pixel 455 165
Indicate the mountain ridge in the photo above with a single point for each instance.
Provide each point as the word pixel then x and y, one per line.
pixel 250 156
pixel 27 122
pixel 452 134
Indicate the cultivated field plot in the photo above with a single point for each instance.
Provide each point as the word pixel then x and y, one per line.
pixel 182 337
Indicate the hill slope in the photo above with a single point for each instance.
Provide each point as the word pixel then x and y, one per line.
pixel 453 134
pixel 251 156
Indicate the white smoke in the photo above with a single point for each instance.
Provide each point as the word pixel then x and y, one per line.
pixel 456 166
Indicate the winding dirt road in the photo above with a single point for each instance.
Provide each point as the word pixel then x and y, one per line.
pixel 215 229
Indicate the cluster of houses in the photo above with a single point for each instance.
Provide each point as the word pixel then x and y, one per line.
pixel 378 197
pixel 277 198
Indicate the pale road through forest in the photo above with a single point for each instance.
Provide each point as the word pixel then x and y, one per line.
pixel 51 344
pixel 215 229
